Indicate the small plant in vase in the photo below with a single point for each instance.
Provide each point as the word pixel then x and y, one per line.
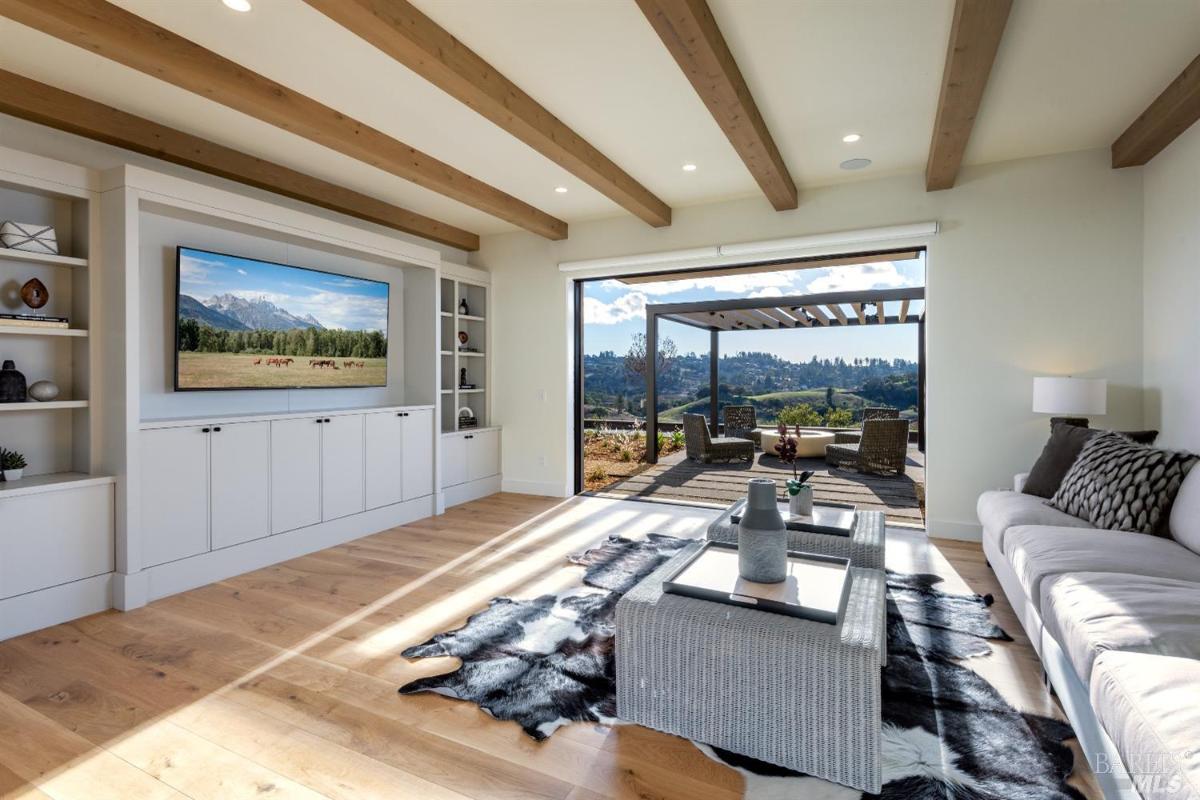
pixel 12 464
pixel 800 493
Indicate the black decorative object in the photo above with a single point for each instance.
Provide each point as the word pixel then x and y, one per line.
pixel 12 384
pixel 35 294
pixel 463 308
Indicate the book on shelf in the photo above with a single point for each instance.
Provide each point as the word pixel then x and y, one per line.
pixel 33 321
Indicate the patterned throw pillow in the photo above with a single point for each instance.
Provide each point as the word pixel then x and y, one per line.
pixel 1118 485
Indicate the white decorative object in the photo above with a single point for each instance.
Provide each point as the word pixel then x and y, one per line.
pixel 11 475
pixel 44 391
pixel 28 236
pixel 800 503
pixel 1070 396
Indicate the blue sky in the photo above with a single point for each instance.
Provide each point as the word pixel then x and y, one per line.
pixel 336 301
pixel 614 311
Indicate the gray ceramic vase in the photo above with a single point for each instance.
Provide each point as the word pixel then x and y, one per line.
pixel 762 538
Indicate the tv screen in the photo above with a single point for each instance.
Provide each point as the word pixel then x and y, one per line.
pixel 241 323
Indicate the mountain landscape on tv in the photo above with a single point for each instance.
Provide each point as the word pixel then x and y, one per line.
pixel 228 312
pixel 259 328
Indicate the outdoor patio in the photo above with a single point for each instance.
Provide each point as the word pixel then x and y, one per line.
pixel 676 479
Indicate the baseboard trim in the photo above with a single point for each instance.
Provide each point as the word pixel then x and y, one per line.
pixel 471 490
pixel 53 606
pixel 542 488
pixel 946 529
pixel 189 573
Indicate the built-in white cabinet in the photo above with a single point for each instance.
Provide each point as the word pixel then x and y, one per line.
pixel 470 456
pixel 398 456
pixel 418 453
pixel 174 496
pixel 239 483
pixel 341 466
pixel 208 486
pixel 295 473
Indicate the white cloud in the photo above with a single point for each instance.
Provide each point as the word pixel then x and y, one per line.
pixel 623 309
pixel 242 271
pixel 769 291
pixel 880 275
pixel 729 284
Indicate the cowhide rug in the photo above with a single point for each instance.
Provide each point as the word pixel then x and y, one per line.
pixel 948 734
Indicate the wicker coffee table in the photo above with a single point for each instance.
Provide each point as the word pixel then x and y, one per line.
pixel 864 546
pixel 800 694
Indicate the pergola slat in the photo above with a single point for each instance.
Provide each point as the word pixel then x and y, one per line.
pixel 880 313
pixel 786 319
pixel 837 312
pixel 817 313
pixel 858 312
pixel 904 310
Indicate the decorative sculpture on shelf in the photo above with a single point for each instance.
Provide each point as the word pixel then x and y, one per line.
pixel 12 384
pixel 463 308
pixel 35 294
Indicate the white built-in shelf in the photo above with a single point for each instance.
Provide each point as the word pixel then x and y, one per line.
pixel 447 352
pixel 54 482
pixel 470 318
pixel 447 313
pixel 471 391
pixel 26 330
pixel 41 258
pixel 447 391
pixel 53 405
pixel 469 354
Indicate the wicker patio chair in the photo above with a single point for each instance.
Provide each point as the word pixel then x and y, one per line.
pixel 882 448
pixel 702 447
pixel 870 412
pixel 742 423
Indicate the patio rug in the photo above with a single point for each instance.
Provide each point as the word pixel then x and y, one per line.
pixel 948 734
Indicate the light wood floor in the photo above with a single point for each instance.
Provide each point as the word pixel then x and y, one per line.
pixel 282 682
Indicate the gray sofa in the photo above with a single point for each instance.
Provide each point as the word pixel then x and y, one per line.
pixel 1115 618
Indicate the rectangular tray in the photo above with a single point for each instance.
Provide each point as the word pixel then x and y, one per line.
pixel 834 519
pixel 815 589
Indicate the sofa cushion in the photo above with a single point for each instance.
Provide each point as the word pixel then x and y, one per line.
pixel 1117 484
pixel 1185 514
pixel 1060 452
pixel 1088 613
pixel 1150 707
pixel 998 511
pixel 1037 553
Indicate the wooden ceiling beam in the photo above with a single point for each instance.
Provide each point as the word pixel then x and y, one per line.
pixel 400 30
pixel 690 33
pixel 111 31
pixel 55 108
pixel 1171 113
pixel 974 39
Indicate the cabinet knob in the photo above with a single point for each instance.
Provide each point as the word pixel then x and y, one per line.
pixel 205 430
pixel 327 419
pixel 320 421
pixel 217 429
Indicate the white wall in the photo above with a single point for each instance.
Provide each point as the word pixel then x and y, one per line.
pixel 43 141
pixel 1036 271
pixel 1171 265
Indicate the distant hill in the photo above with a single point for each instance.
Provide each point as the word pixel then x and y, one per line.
pixel 259 314
pixel 768 405
pixel 191 308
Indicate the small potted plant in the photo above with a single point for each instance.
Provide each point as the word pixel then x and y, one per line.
pixel 13 464
pixel 800 493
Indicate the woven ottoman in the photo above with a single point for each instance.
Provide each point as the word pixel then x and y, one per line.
pixel 864 546
pixel 800 694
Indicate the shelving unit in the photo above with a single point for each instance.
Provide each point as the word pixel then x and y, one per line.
pixel 454 289
pixel 47 192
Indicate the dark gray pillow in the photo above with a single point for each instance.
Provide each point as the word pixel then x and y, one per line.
pixel 1060 452
pixel 1117 484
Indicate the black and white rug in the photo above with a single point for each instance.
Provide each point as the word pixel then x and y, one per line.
pixel 948 734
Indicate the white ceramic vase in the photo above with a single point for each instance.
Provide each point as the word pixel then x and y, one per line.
pixel 801 503
pixel 11 475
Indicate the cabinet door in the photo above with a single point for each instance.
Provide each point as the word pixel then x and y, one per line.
pixel 418 453
pixel 240 475
pixel 55 538
pixel 174 499
pixel 341 466
pixel 483 455
pixel 295 473
pixel 383 458
pixel 454 460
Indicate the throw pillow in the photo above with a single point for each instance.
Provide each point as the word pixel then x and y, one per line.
pixel 1060 453
pixel 1117 484
pixel 1185 514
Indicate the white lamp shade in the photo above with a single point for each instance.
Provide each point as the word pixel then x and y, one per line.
pixel 1070 396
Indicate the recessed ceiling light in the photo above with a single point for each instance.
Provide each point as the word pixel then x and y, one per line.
pixel 238 5
pixel 560 189
pixel 855 163
pixel 689 167
pixel 851 138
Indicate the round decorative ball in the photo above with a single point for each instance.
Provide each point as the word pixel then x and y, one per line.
pixel 44 391
pixel 34 293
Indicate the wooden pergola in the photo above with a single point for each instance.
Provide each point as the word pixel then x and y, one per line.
pixel 829 310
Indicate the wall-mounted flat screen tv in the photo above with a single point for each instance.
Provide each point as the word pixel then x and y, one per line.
pixel 241 323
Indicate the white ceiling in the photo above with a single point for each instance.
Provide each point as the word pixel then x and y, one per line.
pixel 1070 75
